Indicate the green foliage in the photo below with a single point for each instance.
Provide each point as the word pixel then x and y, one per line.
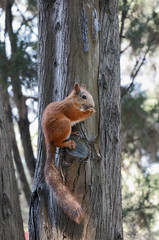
pixel 140 125
pixel 139 34
pixel 32 5
pixel 141 21
pixel 143 32
pixel 140 200
pixel 140 28
pixel 19 65
pixel 133 114
pixel 23 67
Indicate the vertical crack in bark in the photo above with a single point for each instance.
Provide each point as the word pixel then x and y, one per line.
pixel 84 28
pixel 77 177
pixel 33 218
pixel 6 206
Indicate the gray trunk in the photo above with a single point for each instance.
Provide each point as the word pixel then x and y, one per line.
pixel 24 130
pixel 109 124
pixel 15 150
pixel 70 49
pixel 11 224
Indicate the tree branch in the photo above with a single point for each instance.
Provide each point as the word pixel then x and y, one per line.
pixel 121 52
pixel 30 97
pixel 135 72
pixel 25 21
pixel 132 209
pixel 123 17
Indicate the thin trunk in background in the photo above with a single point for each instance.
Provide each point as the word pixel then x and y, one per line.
pixel 11 224
pixel 16 155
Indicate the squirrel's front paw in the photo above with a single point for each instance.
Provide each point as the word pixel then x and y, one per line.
pixel 91 111
pixel 71 144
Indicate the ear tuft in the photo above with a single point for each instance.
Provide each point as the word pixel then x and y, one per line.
pixel 77 88
pixel 83 86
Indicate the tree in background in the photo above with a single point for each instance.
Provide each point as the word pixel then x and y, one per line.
pixel 18 71
pixel 11 225
pixel 139 34
pixel 71 49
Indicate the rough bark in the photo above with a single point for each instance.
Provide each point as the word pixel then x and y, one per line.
pixel 70 50
pixel 109 116
pixel 11 224
pixel 17 158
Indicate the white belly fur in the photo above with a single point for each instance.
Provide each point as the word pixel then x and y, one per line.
pixel 74 122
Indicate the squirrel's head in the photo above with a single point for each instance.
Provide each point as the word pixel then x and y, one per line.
pixel 82 97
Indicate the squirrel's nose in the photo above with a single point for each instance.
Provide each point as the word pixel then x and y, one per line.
pixel 90 106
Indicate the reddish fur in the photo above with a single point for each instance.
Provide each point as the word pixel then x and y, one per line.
pixel 57 125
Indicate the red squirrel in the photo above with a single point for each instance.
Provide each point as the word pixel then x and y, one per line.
pixel 57 121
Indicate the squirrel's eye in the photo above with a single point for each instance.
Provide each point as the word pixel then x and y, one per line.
pixel 84 97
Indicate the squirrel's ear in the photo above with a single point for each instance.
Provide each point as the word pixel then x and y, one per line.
pixel 83 86
pixel 77 87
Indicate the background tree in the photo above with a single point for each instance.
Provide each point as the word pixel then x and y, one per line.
pixel 18 70
pixel 69 50
pixel 139 33
pixel 20 57
pixel 11 225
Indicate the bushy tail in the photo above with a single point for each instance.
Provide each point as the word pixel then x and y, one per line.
pixel 61 193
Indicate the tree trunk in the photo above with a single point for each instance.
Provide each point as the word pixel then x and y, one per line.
pixel 109 116
pixel 11 224
pixel 70 49
pixel 24 130
pixel 17 159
